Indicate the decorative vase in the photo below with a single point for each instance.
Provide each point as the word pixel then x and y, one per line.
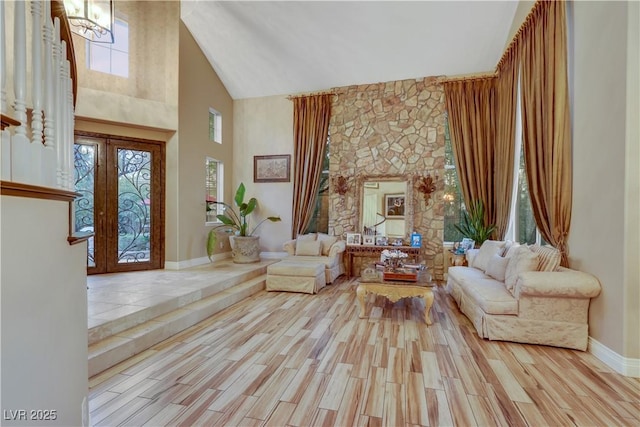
pixel 245 249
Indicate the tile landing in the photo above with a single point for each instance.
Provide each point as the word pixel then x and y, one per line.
pixel 130 312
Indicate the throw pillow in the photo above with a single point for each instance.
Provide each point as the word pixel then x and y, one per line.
pixel 522 260
pixel 308 247
pixel 512 250
pixel 488 249
pixel 497 267
pixel 326 242
pixel 310 236
pixel 548 257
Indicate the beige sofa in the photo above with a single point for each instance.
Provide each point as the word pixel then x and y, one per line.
pixel 520 294
pixel 318 247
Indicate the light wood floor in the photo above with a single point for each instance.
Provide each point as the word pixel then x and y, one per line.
pixel 283 359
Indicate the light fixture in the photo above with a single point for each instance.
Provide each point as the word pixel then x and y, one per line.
pixel 340 185
pixel 427 185
pixel 91 19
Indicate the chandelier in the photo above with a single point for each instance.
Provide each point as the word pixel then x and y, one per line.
pixel 91 19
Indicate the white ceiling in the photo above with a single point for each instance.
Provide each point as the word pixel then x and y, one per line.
pixel 286 47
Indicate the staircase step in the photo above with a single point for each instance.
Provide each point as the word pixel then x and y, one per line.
pixel 205 289
pixel 111 350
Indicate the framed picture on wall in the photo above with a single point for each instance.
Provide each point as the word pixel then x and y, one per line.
pixel 274 168
pixel 394 205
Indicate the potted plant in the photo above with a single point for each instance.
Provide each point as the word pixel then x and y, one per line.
pixel 245 247
pixel 473 225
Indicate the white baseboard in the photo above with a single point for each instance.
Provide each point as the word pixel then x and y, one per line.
pixel 181 265
pixel 623 365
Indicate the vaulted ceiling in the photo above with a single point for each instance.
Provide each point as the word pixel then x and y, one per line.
pixel 286 47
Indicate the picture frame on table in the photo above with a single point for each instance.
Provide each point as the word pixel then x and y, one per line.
pixel 381 240
pixel 272 168
pixel 369 239
pixel 416 240
pixel 354 239
pixel 467 244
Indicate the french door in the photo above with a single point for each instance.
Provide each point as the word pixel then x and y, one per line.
pixel 122 185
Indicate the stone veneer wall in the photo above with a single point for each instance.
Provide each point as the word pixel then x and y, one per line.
pixel 392 128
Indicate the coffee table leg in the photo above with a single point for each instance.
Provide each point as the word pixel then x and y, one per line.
pixel 361 292
pixel 428 302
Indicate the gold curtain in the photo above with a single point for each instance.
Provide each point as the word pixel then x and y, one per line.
pixel 311 116
pixel 546 122
pixel 470 104
pixel 504 150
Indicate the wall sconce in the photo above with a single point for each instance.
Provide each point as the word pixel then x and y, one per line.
pixel 426 186
pixel 340 185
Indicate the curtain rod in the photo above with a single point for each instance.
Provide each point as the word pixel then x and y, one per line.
pixel 304 95
pixel 468 78
pixel 515 41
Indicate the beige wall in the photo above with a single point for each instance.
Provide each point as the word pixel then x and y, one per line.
pixel 149 96
pixel 44 312
pixel 200 89
pixel 264 126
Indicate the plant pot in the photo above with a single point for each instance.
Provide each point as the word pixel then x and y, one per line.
pixel 245 249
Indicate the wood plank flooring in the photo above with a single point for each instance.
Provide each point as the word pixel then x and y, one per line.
pixel 287 359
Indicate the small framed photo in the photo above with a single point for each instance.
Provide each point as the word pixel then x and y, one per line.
pixel 394 205
pixel 354 239
pixel 381 241
pixel 467 244
pixel 275 168
pixel 369 239
pixel 416 240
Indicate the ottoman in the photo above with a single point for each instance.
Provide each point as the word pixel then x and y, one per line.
pixel 296 276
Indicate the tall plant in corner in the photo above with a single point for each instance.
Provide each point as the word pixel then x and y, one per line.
pixel 473 225
pixel 236 221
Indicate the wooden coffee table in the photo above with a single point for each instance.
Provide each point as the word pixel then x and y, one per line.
pixel 395 291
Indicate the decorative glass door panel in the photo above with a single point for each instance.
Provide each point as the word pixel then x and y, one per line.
pixel 134 201
pixel 122 187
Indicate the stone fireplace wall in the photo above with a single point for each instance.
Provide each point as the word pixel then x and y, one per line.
pixel 392 128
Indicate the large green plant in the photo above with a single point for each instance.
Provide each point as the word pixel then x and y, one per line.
pixel 236 221
pixel 473 225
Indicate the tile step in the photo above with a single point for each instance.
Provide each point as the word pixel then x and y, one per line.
pixel 124 344
pixel 139 317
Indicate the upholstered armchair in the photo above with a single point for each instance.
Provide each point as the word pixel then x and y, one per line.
pixel 319 247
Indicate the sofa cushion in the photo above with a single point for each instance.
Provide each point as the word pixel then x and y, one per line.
pixel 308 247
pixel 326 242
pixel 523 259
pixel 488 249
pixel 497 267
pixel 508 253
pixel 327 261
pixel 303 237
pixel 548 257
pixel 489 294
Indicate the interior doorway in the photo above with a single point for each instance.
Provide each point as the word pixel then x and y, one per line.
pixel 122 185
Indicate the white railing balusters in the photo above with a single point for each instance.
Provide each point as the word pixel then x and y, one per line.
pixel 45 156
pixel 5 136
pixel 20 149
pixel 3 63
pixel 36 91
pixel 49 155
pixel 57 53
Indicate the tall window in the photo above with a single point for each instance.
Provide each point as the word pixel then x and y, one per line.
pixel 213 189
pixel 215 126
pixel 523 227
pixel 111 58
pixel 453 201
pixel 320 220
